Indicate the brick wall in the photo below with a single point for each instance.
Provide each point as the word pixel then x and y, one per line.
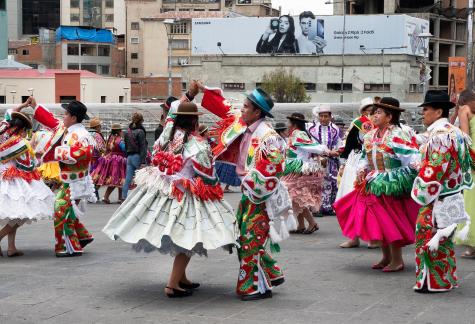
pixel 154 87
pixel 67 84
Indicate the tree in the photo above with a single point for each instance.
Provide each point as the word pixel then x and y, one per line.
pixel 284 86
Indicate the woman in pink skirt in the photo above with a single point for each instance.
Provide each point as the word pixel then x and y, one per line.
pixel 303 175
pixel 110 170
pixel 380 208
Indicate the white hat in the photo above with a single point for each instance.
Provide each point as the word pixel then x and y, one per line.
pixel 323 108
pixel 365 103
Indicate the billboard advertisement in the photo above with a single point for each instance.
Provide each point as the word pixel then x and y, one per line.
pixel 457 76
pixel 310 34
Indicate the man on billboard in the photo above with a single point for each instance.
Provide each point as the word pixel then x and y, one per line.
pixel 311 40
pixel 283 40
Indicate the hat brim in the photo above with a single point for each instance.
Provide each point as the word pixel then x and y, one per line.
pixel 25 118
pixel 366 107
pixel 438 104
pixel 66 107
pixel 297 119
pixel 382 105
pixel 251 98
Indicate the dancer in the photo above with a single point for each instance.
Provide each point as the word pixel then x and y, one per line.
pixel 380 208
pixel 467 125
pixel 71 145
pixel 445 172
pixel 327 133
pixel 178 206
pixel 110 170
pixel 260 163
pixel 303 174
pixel 351 156
pixel 49 171
pixel 24 197
pixel 95 126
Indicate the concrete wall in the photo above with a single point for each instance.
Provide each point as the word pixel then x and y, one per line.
pixel 111 88
pixel 155 49
pixel 43 89
pixel 14 19
pixel 3 35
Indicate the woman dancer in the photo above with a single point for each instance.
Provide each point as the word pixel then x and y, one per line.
pixel 380 208
pixel 24 198
pixel 178 206
pixel 110 169
pixel 303 175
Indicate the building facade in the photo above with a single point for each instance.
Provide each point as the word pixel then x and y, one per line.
pixel 3 30
pixel 26 17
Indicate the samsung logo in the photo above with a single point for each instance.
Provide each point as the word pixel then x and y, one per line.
pixel 202 22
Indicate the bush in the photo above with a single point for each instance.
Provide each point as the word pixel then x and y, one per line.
pixel 284 86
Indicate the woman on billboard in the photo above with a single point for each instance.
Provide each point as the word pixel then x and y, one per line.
pixel 284 37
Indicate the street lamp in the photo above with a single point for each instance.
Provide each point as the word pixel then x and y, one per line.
pixel 168 25
pixel 13 95
pixel 83 85
pixel 125 93
pixel 30 90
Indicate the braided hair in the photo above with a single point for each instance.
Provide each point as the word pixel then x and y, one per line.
pixel 188 123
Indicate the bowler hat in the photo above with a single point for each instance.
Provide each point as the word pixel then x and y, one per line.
pixel 389 103
pixel 280 126
pixel 93 123
pixel 76 108
pixel 116 127
pixel 24 117
pixel 262 100
pixel 437 99
pixel 188 108
pixel 168 103
pixel 297 117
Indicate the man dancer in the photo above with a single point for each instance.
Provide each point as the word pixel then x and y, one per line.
pixel 445 172
pixel 71 145
pixel 260 162
pixel 327 133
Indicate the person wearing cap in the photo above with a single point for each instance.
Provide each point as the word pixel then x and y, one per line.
pixel 303 174
pixel 72 145
pixel 95 127
pixel 351 155
pixel 166 108
pixel 178 207
pixel 327 133
pixel 110 170
pixel 446 171
pixel 24 197
pixel 380 209
pixel 259 154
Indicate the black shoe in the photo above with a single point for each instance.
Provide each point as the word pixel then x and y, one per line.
pixel 267 294
pixel 68 255
pixel 85 242
pixel 193 285
pixel 179 293
pixel 277 282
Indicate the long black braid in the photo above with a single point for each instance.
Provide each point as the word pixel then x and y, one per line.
pixel 186 122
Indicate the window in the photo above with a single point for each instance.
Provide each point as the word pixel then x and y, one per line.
pixel 2 100
pixel 89 67
pixel 183 86
pixel 88 50
pixel 337 87
pixel 109 3
pixel 310 86
pixel 73 66
pixel 416 88
pixel 103 99
pixel 109 18
pixel 73 49
pixel 25 52
pixel 24 98
pixel 74 17
pixel 377 87
pixel 180 28
pixel 134 40
pixel 103 50
pixel 33 65
pixel 179 43
pixel 66 99
pixel 134 26
pixel 105 69
pixel 196 9
pixel 234 86
pixel 12 51
pixel 3 5
pixel 121 99
pixel 74 3
pixel 135 70
pixel 258 84
pixel 134 56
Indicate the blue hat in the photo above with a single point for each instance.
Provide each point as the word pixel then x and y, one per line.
pixel 261 100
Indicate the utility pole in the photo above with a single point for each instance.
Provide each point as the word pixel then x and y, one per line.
pixel 470 45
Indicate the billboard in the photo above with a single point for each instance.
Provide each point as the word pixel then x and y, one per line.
pixel 310 34
pixel 457 77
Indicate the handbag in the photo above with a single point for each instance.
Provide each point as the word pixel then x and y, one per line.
pixel 450 210
pixel 279 202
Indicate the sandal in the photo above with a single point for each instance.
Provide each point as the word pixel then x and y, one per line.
pixel 298 231
pixel 17 253
pixel 468 255
pixel 106 201
pixel 349 244
pixel 179 293
pixel 311 230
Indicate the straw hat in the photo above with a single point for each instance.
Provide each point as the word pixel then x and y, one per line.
pixel 116 126
pixel 95 122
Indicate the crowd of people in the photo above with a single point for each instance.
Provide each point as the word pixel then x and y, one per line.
pixel 387 184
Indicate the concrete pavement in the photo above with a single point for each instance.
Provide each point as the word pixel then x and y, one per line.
pixel 111 283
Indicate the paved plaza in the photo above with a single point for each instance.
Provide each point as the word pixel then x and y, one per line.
pixel 111 283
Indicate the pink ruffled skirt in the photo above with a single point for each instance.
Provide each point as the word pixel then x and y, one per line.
pixel 110 170
pixel 305 191
pixel 391 220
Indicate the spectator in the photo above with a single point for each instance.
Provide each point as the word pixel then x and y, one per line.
pixel 166 108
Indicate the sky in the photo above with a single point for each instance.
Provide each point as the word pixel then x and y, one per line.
pixel 295 7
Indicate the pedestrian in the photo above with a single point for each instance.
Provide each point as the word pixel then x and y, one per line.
pixel 351 156
pixel 327 133
pixel 110 170
pixel 24 198
pixel 178 206
pixel 136 150
pixel 163 118
pixel 446 171
pixel 72 145
pixel 259 153
pixel 95 128
pixel 380 208
pixel 303 173
pixel 281 129
pixel 467 125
